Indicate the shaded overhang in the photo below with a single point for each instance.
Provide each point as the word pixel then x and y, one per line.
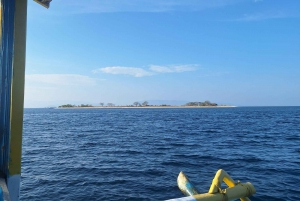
pixel 45 3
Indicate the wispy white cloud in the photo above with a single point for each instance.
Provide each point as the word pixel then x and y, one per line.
pixel 263 16
pixel 141 72
pixel 173 68
pixel 136 72
pixel 161 69
pixel 61 79
pixel 257 0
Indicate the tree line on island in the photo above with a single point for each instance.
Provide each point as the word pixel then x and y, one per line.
pixel 143 104
pixel 70 105
pixel 205 103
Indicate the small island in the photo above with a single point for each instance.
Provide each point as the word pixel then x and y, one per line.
pixel 145 104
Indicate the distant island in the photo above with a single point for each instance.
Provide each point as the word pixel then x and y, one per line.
pixel 145 104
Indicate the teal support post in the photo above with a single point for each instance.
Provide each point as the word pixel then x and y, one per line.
pixel 12 74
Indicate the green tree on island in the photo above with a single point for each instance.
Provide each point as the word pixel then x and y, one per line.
pixel 205 103
pixel 85 105
pixel 136 104
pixel 110 104
pixel 67 105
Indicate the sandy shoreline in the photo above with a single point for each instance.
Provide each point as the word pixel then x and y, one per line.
pixel 147 107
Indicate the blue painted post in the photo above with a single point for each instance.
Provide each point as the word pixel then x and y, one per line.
pixel 1 194
pixel 13 14
pixel 6 58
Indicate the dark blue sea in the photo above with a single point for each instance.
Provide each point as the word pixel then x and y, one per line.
pixel 136 154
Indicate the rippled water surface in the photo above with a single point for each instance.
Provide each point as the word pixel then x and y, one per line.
pixel 136 154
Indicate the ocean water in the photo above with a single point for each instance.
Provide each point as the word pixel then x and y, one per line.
pixel 137 154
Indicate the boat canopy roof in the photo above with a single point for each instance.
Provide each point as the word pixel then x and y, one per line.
pixel 45 3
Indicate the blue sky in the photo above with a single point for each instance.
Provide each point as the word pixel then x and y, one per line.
pixel 237 52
